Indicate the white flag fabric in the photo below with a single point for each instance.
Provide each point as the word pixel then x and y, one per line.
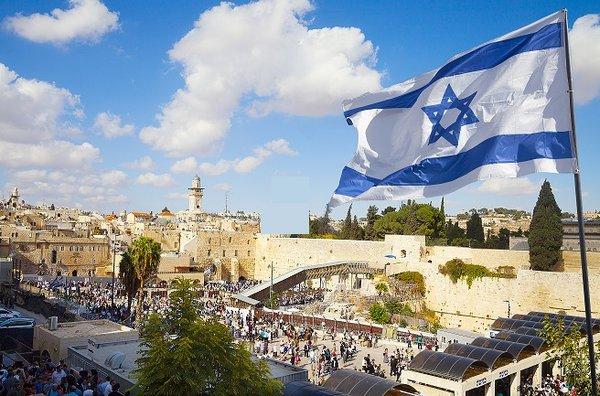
pixel 498 110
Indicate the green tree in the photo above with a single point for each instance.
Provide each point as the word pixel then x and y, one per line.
pixel 188 355
pixel 128 277
pixel 379 314
pixel 321 225
pixel 145 253
pixel 454 233
pixel 372 216
pixel 387 210
pixel 356 231
pixel 411 219
pixel 475 229
pixel 504 238
pixel 346 231
pixel 572 352
pixel 545 232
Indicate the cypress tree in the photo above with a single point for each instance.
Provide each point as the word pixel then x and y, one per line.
pixel 475 228
pixel 346 231
pixel 545 232
pixel 371 217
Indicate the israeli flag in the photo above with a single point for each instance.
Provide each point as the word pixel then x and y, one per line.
pixel 498 110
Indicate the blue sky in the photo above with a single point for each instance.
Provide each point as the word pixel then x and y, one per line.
pixel 123 67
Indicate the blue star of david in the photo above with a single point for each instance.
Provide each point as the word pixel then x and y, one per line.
pixel 436 113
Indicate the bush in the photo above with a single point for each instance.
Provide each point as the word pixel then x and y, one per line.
pixel 395 307
pixel 415 278
pixel 382 288
pixel 379 314
pixel 457 269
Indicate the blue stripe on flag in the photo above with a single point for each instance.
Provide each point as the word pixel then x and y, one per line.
pixel 495 150
pixel 484 57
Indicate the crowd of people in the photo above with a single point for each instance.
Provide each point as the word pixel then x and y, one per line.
pixel 20 379
pixel 550 386
pixel 301 296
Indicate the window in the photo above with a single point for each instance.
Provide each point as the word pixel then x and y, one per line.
pixel 235 253
pixel 248 241
pixel 70 248
pixel 208 252
pixel 62 248
pixel 209 241
pixel 229 239
pixel 223 253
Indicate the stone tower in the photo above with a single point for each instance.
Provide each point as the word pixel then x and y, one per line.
pixel 195 193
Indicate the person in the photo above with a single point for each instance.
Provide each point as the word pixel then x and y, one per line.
pixel 115 390
pixel 58 374
pixel 109 388
pixel 102 386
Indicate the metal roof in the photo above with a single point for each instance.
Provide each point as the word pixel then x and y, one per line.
pixel 568 320
pixel 511 324
pixel 445 365
pixel 357 383
pixel 538 343
pixel 306 388
pixel 527 330
pixel 492 357
pixel 516 349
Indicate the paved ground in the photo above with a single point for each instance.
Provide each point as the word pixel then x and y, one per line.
pixel 356 362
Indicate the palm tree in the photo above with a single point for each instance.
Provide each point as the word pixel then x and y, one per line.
pixel 129 277
pixel 145 253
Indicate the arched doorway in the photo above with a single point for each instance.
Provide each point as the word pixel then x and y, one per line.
pixel 74 273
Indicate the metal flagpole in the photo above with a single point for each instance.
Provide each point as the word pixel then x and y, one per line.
pixel 578 199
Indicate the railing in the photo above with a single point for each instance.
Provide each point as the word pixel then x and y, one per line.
pixel 320 322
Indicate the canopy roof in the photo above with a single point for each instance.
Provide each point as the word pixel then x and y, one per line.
pixel 538 343
pixel 357 383
pixel 445 365
pixel 516 349
pixel 306 388
pixel 492 357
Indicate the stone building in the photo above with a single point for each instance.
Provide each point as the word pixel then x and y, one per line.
pixel 43 252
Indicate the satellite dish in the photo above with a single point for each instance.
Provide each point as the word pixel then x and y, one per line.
pixel 115 360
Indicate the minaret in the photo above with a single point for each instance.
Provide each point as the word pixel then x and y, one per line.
pixel 195 194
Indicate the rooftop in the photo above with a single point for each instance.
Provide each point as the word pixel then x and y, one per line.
pixel 87 328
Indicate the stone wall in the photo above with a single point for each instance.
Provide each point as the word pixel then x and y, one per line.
pixel 288 253
pixel 233 252
pixel 490 258
pixel 476 307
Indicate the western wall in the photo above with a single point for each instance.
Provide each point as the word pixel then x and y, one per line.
pixel 457 304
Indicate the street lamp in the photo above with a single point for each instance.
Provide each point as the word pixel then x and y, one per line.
pixel 112 291
pixel 508 305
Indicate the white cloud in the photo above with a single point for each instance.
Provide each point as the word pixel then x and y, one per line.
pixel 156 180
pixel 68 188
pixel 217 169
pixel 250 162
pixel 264 50
pixel 142 163
pixel 33 110
pixel 85 20
pixel 508 186
pixel 113 178
pixel 33 114
pixel 280 146
pixel 186 165
pixel 223 187
pixel 176 196
pixel 110 125
pixel 58 154
pixel 584 40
